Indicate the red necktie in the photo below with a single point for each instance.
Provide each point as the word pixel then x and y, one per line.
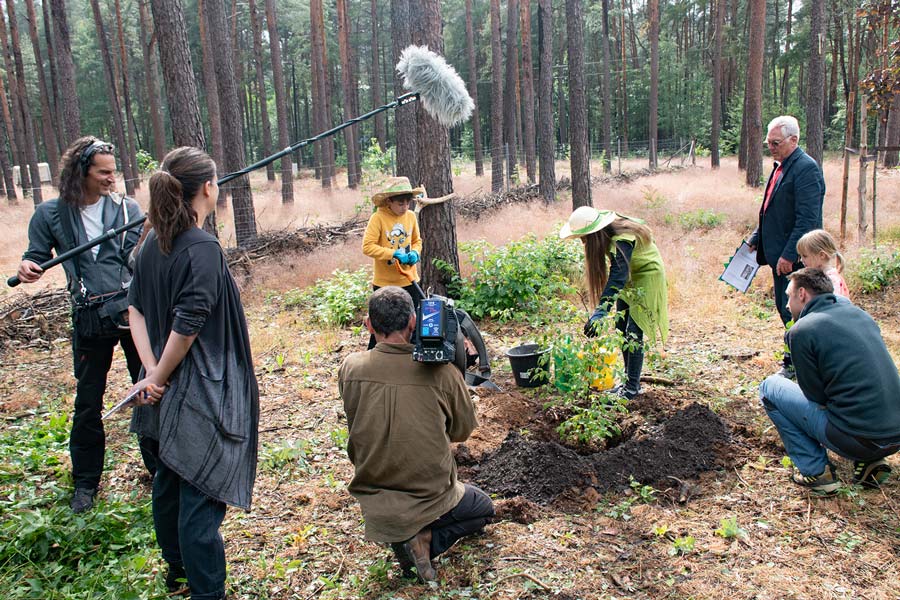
pixel 772 183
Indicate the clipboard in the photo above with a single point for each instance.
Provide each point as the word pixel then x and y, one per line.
pixel 741 268
pixel 127 400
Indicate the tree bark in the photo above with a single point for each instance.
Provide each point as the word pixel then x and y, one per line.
pixel 67 91
pixel 405 116
pixel 578 125
pixel 15 123
pixel 753 93
pixel 10 129
pixel 527 86
pixel 496 100
pixel 30 145
pixel 717 85
pixel 624 46
pixel 261 85
pixel 815 99
pixel 547 158
pixel 510 106
pixel 606 92
pixel 322 96
pixel 51 144
pixel 116 109
pixel 786 76
pixel 54 80
pixel 377 92
pixel 151 80
pixel 5 167
pixel 473 90
pixel 213 110
pixel 351 134
pixel 130 127
pixel 437 221
pixel 287 168
pixel 892 135
pixel 232 135
pixel 653 127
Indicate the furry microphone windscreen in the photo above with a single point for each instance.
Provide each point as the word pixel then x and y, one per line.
pixel 441 90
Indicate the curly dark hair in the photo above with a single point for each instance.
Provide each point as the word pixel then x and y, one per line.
pixel 74 166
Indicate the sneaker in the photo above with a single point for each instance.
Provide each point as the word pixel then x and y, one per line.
pixel 176 581
pixel 418 549
pixel 871 474
pixel 787 373
pixel 624 392
pixel 824 484
pixel 82 499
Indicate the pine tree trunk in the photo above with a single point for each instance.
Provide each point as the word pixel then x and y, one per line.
pixel 473 90
pixel 375 76
pixel 496 100
pixel 9 128
pixel 17 135
pixel 753 93
pixel 351 134
pixel 6 168
pixel 510 106
pixel 606 134
pixel 212 99
pixel 405 116
pixel 151 80
pixel 717 85
pixel 287 168
pixel 30 141
pixel 437 221
pixel 54 80
pixel 815 101
pixel 546 138
pixel 624 46
pixel 578 125
pixel 653 127
pixel 67 92
pixel 786 76
pixel 51 145
pixel 322 97
pixel 232 137
pixel 527 85
pixel 261 84
pixel 130 127
pixel 892 135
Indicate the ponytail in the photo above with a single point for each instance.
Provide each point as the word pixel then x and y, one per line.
pixel 183 173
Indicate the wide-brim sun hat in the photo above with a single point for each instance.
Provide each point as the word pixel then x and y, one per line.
pixel 396 186
pixel 586 220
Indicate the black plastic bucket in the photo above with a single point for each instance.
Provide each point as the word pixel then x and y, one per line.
pixel 524 361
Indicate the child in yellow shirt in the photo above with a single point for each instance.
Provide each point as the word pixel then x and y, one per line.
pixel 392 236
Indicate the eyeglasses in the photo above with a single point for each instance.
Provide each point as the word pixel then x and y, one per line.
pixel 776 143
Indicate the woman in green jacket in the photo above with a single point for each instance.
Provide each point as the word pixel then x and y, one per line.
pixel 623 267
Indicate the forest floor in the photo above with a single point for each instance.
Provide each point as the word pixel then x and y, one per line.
pixel 690 501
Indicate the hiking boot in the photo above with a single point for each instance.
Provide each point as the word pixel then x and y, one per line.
pixel 871 474
pixel 406 565
pixel 176 581
pixel 418 549
pixel 824 484
pixel 82 499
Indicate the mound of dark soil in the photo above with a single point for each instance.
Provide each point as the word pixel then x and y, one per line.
pixel 682 446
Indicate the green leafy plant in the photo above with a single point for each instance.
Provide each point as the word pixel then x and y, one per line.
pixel 336 300
pixel 145 162
pixel 876 269
pixel 729 529
pixel 682 546
pixel 848 540
pixel 339 437
pixel 652 197
pixel 285 456
pixel 640 493
pixel 513 281
pixel 702 218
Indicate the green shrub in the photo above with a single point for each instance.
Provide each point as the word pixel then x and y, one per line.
pixel 702 218
pixel 337 300
pixel 145 162
pixel 516 281
pixel 876 269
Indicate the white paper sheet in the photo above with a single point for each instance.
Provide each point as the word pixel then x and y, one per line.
pixel 741 268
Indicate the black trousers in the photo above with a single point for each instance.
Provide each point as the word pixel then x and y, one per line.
pixel 92 358
pixel 469 516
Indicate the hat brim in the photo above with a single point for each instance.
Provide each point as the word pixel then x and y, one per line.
pixel 566 232
pixel 381 198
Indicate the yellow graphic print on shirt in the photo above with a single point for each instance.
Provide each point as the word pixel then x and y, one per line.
pixel 397 238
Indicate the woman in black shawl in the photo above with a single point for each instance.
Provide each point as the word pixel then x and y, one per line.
pixel 202 401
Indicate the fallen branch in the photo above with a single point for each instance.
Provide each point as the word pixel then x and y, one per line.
pixel 526 576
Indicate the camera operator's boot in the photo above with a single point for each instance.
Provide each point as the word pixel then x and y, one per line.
pixel 418 549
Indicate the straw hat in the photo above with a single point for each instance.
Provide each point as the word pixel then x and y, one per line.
pixel 586 220
pixel 396 186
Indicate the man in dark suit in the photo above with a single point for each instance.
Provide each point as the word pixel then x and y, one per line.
pixel 792 206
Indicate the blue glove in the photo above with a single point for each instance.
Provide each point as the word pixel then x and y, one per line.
pixel 400 255
pixel 412 257
pixel 590 328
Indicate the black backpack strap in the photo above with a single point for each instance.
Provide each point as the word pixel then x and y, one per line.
pixel 67 222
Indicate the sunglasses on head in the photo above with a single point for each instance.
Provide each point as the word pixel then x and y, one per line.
pixel 87 155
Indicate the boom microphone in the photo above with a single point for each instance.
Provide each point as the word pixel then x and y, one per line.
pixel 440 88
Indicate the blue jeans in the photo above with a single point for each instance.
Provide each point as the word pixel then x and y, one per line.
pixel 801 423
pixel 187 530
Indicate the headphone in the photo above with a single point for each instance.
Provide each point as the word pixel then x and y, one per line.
pixel 88 153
